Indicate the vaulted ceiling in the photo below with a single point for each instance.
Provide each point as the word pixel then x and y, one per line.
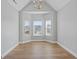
pixel 56 4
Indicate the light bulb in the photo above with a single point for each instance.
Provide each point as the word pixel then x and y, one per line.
pixel 40 0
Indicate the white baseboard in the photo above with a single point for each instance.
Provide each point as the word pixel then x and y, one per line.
pixel 3 55
pixel 24 42
pixel 51 41
pixel 74 54
pixel 37 40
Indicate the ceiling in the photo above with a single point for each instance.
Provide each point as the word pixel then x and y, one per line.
pixel 56 4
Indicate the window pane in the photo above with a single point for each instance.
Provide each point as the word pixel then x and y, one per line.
pixel 37 28
pixel 48 28
pixel 26 27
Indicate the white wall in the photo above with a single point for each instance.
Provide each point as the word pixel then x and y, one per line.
pixel 19 4
pixel 9 27
pixel 67 26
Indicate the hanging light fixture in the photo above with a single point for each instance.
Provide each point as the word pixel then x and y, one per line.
pixel 37 4
pixel 15 1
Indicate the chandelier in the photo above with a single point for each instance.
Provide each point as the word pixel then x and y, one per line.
pixel 37 4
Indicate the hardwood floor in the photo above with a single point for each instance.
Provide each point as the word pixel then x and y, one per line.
pixel 39 50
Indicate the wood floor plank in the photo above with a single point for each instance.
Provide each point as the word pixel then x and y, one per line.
pixel 39 50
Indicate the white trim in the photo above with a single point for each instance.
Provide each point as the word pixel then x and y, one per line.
pixel 67 49
pixel 51 41
pixel 36 12
pixel 24 42
pixel 38 40
pixel 3 55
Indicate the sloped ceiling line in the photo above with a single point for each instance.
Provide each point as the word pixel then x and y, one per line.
pixel 56 4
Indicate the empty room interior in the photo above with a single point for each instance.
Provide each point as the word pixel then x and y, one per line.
pixel 39 29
